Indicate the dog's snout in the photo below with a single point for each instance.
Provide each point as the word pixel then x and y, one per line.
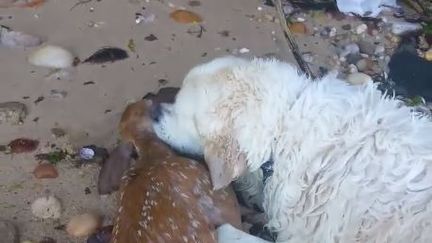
pixel 156 112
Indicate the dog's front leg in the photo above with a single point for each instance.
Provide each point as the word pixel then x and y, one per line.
pixel 226 233
pixel 250 190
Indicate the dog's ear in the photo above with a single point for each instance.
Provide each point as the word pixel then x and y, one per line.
pixel 225 161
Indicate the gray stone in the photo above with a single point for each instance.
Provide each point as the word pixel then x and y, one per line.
pixel 12 112
pixel 366 47
pixel 8 232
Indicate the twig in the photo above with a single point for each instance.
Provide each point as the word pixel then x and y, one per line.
pixel 80 2
pixel 291 41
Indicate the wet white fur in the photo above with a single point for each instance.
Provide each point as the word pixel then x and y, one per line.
pixel 350 164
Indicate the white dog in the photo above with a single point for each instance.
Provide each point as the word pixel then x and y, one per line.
pixel 350 163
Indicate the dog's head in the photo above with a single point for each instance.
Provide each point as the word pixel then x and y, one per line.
pixel 190 134
pixel 198 124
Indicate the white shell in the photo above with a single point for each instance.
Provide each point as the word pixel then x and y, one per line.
pixel 52 57
pixel 83 225
pixel 46 208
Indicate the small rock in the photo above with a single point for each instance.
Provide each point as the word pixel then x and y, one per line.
pixel 332 32
pixel 60 74
pixel 325 32
pixel 23 145
pixel 352 68
pixel 366 47
pixel 144 18
pixel 8 232
pixel 358 78
pixel 58 94
pixel 428 55
pixel 185 17
pixel 46 207
pixel 362 65
pixel 380 49
pixel 47 240
pixel 399 28
pixel 346 27
pixel 52 57
pixel 351 48
pixel 12 112
pixel 308 57
pixel 102 236
pixel 287 8
pixel 150 37
pixel 361 29
pixel 58 132
pixel 83 225
pixel 45 171
pixel 244 50
pixel 298 27
pixel 422 43
pixel 194 3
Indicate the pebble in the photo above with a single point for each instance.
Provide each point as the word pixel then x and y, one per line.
pixel 308 57
pixel 332 32
pixel 8 232
pixel 351 48
pixel 422 43
pixel 428 55
pixel 346 27
pixel 353 58
pixel 185 17
pixel 298 27
pixel 362 65
pixel 51 57
pixel 102 236
pixel 366 47
pixel 47 207
pixel 325 32
pixel 46 239
pixel 58 94
pixel 45 171
pixel 58 132
pixel 361 29
pixel 244 50
pixel 83 225
pixel 23 145
pixel 352 68
pixel 380 49
pixel 13 113
pixel 358 78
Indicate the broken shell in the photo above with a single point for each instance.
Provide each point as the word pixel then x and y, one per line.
pixel 83 225
pixel 46 207
pixel 185 17
pixel 52 57
pixel 44 171
pixel 11 38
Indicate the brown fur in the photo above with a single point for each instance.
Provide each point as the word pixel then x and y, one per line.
pixel 166 197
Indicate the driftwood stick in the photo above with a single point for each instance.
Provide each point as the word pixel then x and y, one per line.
pixel 291 41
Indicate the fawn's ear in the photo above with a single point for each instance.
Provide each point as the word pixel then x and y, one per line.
pixel 224 160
